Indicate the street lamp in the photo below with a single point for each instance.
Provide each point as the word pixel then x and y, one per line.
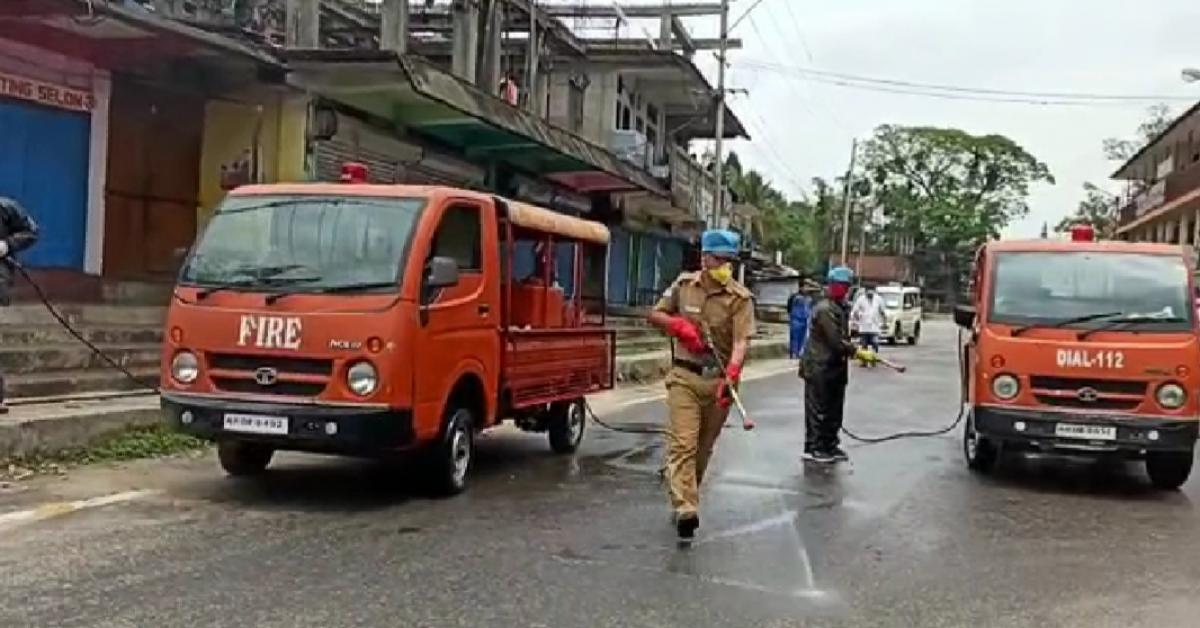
pixel 1190 75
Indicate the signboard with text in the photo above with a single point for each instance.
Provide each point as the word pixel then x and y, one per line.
pixel 48 94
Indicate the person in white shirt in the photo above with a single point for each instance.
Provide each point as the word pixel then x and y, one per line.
pixel 869 315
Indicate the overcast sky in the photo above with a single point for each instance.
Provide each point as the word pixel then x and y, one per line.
pixel 803 129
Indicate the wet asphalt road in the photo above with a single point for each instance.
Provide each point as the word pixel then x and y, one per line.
pixel 902 536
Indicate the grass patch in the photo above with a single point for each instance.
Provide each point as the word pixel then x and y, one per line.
pixel 156 441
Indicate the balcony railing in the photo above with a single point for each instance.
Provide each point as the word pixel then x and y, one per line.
pixel 1163 191
pixel 691 185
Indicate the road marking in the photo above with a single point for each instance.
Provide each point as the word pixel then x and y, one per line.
pixel 705 578
pixel 57 509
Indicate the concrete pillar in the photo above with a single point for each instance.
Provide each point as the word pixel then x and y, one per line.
pixel 491 31
pixel 1184 229
pixel 465 47
pixel 393 26
pixel 664 29
pixel 303 23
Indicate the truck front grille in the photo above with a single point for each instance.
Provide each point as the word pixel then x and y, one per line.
pixel 1103 386
pixel 292 377
pixel 1085 393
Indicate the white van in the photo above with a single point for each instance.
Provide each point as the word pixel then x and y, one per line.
pixel 902 305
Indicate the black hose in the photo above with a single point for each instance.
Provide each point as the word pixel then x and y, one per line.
pixel 62 320
pixel 962 412
pixel 627 430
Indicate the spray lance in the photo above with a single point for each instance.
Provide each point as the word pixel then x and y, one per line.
pixel 747 422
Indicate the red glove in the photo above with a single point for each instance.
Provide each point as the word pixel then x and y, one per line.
pixel 688 334
pixel 733 374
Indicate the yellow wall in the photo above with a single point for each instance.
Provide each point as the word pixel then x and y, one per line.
pixel 229 131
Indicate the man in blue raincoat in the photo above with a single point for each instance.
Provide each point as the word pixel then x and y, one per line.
pixel 799 306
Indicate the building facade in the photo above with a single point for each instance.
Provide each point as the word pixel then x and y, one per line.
pixel 1161 201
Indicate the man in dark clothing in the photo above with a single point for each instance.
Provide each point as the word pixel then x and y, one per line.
pixel 18 232
pixel 826 370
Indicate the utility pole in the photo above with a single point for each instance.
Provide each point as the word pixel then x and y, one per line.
pixel 531 71
pixel 846 203
pixel 718 170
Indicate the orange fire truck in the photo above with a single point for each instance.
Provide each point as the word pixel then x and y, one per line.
pixel 1082 347
pixel 374 319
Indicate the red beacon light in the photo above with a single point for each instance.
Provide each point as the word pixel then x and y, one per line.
pixel 353 172
pixel 1083 233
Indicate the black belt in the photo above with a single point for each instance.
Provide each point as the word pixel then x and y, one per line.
pixel 699 369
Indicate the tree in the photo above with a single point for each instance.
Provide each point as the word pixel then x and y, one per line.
pixel 1159 117
pixel 1098 209
pixel 952 190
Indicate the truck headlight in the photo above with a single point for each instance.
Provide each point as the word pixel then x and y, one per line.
pixel 1005 386
pixel 1171 396
pixel 362 378
pixel 185 367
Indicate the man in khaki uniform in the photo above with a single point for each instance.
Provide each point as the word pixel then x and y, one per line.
pixel 698 397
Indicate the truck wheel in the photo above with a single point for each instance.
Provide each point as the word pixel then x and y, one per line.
pixel 567 424
pixel 982 454
pixel 241 459
pixel 1168 470
pixel 897 334
pixel 451 459
pixel 916 335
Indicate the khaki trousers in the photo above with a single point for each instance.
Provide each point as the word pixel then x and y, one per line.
pixel 694 424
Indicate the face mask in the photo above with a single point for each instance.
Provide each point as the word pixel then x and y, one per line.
pixel 722 274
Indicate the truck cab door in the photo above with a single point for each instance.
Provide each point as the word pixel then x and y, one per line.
pixel 458 324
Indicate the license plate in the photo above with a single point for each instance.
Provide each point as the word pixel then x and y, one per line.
pixel 256 424
pixel 1085 432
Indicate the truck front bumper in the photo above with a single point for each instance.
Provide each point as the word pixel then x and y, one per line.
pixel 1038 429
pixel 316 428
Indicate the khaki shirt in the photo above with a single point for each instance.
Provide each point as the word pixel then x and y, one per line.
pixel 727 311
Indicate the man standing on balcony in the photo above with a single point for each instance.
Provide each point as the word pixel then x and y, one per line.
pixel 18 232
pixel 711 317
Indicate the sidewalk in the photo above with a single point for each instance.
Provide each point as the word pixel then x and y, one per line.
pixel 39 429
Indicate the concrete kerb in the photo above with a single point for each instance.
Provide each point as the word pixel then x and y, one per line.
pixel 34 430
pixel 45 429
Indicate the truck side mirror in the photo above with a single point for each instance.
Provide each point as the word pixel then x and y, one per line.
pixel 964 316
pixel 441 272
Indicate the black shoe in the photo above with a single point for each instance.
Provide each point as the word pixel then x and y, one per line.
pixel 839 455
pixel 823 457
pixel 809 455
pixel 686 526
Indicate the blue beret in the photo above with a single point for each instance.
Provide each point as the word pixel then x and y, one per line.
pixel 840 274
pixel 720 242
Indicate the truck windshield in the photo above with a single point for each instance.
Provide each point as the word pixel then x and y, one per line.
pixel 891 300
pixel 1085 289
pixel 304 243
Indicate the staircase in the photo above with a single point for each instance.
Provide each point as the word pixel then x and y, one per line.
pixel 42 362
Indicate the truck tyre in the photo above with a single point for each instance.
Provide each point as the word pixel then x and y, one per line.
pixel 1168 470
pixel 916 335
pixel 897 334
pixel 451 459
pixel 982 454
pixel 568 420
pixel 241 459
